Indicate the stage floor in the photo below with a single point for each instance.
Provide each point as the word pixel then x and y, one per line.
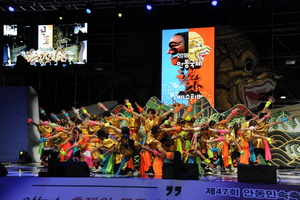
pixel 23 182
pixel 284 176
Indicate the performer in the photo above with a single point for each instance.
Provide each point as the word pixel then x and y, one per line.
pixel 149 122
pixel 47 147
pixel 112 120
pixel 223 145
pixel 261 146
pixel 134 122
pixel 107 149
pixel 195 151
pixel 154 138
pixel 129 148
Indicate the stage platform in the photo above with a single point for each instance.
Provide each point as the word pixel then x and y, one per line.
pixel 22 182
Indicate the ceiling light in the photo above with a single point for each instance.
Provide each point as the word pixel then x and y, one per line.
pixel 290 62
pixel 248 3
pixel 214 2
pixel 88 8
pixel 283 97
pixel 120 7
pixel 149 4
pixel 11 9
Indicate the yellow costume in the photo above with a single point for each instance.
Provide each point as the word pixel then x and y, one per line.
pixel 44 130
pixel 134 124
pixel 115 122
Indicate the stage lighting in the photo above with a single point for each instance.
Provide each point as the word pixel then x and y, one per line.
pixel 149 7
pixel 283 97
pixel 249 3
pixel 88 8
pixel 120 7
pixel 214 2
pixel 62 12
pixel 24 157
pixel 149 4
pixel 11 9
pixel 290 62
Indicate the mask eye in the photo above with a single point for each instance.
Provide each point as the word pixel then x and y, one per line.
pixel 248 66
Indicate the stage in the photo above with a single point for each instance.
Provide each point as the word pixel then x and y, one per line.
pixel 23 182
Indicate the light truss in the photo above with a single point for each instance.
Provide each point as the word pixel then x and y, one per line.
pixel 52 5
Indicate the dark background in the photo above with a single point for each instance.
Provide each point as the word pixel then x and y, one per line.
pixel 124 54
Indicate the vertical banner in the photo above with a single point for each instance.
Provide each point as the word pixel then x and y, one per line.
pixel 188 65
pixel 45 34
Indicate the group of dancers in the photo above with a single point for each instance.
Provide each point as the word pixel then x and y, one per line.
pixel 141 141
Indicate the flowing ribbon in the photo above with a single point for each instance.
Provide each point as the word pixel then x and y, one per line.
pixel 225 154
pixel 252 154
pixel 268 155
pixel 124 160
pixel 244 159
pixel 157 166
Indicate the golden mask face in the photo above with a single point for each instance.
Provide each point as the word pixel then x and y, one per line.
pixel 240 78
pixel 197 49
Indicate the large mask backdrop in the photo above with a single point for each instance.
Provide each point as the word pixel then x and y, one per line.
pixel 240 77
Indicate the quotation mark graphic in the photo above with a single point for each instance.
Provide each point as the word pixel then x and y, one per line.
pixel 170 190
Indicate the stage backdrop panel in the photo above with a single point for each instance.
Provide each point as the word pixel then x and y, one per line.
pixel 16 105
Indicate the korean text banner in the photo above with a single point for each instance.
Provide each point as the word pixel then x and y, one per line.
pixel 188 65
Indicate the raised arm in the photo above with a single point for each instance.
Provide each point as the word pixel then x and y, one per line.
pixel 84 111
pixel 201 112
pixel 76 111
pixel 167 113
pixel 134 113
pixel 30 121
pixel 128 104
pixel 140 109
pixel 115 128
pixel 289 118
pixel 233 111
pixel 100 105
pixel 271 100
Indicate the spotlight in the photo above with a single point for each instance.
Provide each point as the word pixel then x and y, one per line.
pixel 11 9
pixel 214 2
pixel 290 62
pixel 149 4
pixel 283 97
pixel 249 3
pixel 62 12
pixel 24 157
pixel 149 7
pixel 88 8
pixel 120 7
